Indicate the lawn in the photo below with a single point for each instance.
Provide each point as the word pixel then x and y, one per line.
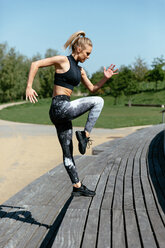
pixel 111 117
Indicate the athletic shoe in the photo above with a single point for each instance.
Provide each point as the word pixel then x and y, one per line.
pixel 83 191
pixel 83 141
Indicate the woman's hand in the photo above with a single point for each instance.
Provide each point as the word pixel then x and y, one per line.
pixel 110 71
pixel 31 94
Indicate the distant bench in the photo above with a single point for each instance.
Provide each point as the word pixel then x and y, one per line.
pixel 145 105
pixel 128 210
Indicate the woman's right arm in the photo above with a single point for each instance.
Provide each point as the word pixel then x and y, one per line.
pixel 56 60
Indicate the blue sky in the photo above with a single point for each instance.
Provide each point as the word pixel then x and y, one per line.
pixel 120 30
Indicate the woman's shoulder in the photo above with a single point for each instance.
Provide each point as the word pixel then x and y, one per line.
pixel 60 58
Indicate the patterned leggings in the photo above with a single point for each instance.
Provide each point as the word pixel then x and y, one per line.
pixel 62 112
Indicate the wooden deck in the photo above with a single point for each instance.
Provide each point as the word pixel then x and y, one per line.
pixel 127 211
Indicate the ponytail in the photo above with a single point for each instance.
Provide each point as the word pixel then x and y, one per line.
pixel 77 39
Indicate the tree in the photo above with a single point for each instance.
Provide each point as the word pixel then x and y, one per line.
pixel 159 61
pixel 123 83
pixel 140 69
pixel 157 73
pixel 13 74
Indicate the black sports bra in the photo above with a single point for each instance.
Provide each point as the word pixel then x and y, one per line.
pixel 70 78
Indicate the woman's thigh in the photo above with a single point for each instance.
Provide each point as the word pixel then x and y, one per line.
pixel 80 106
pixel 63 111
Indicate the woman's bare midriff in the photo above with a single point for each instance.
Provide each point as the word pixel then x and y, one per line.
pixel 59 90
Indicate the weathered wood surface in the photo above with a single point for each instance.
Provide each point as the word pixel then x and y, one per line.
pixel 128 210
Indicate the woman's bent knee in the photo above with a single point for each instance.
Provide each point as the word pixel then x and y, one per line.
pixel 100 101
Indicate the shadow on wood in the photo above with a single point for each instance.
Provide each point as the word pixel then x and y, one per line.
pixel 51 235
pixel 21 215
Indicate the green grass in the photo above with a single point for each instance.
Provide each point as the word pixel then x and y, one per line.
pixel 111 116
pixel 149 98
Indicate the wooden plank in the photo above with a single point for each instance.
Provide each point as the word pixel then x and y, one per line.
pixel 128 203
pixel 145 229
pixel 38 214
pixel 106 147
pixel 84 162
pixel 118 194
pixel 80 202
pixel 143 165
pixel 72 227
pixel 131 158
pixel 97 166
pixel 38 237
pixel 128 182
pixel 112 176
pixel 118 184
pixel 71 230
pixel 46 190
pixel 90 235
pixel 132 233
pixel 6 223
pixel 57 220
pixel 111 184
pixel 77 224
pixel 4 210
pixel 17 231
pixel 123 164
pixel 97 200
pixel 137 194
pixel 105 230
pixel 158 227
pixel 136 168
pixel 64 192
pixel 118 229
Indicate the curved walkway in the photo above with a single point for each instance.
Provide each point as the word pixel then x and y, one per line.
pixel 127 211
pixel 5 105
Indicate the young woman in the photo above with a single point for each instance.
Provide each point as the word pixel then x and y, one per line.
pixel 68 74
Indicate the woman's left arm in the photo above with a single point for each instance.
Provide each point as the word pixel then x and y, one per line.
pixel 107 75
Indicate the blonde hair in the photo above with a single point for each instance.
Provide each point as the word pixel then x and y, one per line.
pixel 77 39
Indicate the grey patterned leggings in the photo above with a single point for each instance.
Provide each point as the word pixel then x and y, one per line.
pixel 62 112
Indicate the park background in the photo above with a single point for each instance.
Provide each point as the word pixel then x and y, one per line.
pixel 129 34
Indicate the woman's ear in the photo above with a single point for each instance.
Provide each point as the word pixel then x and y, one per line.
pixel 79 49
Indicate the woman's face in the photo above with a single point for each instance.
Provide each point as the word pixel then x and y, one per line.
pixel 84 54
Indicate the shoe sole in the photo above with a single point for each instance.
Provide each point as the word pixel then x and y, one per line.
pixel 78 136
